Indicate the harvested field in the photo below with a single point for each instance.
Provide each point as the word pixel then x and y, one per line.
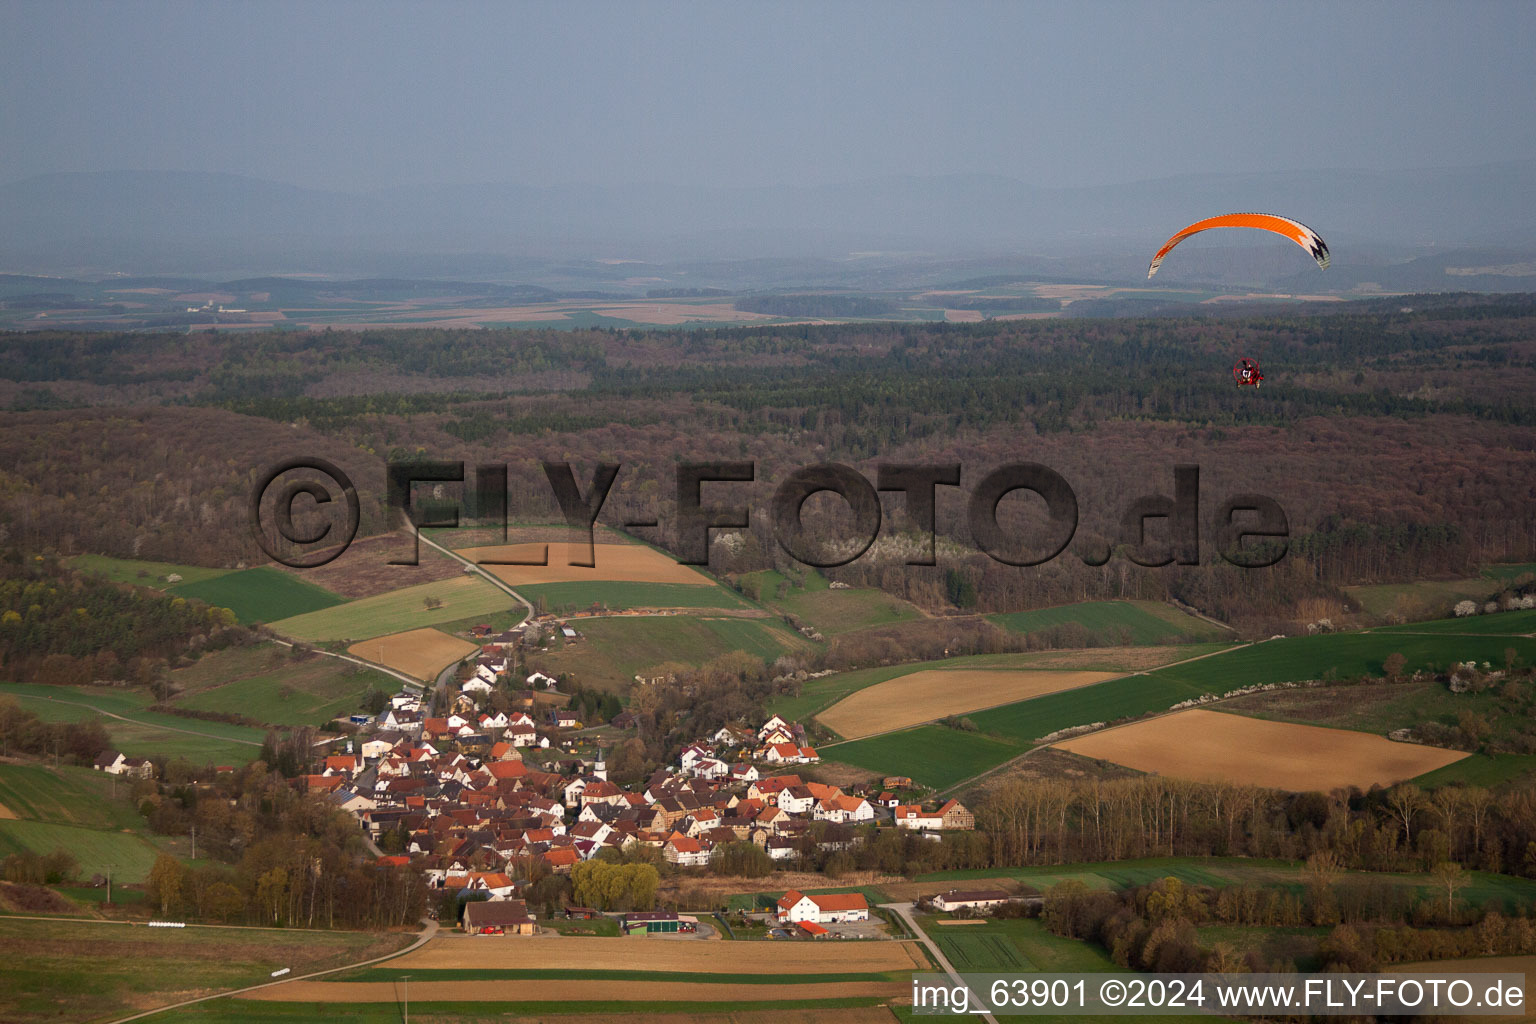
pixel 6 814
pixel 925 696
pixel 1210 746
pixel 655 993
pixel 1525 965
pixel 447 952
pixel 420 653
pixel 635 563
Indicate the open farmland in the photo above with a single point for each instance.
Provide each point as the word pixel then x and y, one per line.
pixel 419 653
pixel 818 694
pixel 65 795
pixel 126 854
pixel 144 574
pixel 811 598
pixel 1515 623
pixel 1137 622
pixel 648 993
pixel 931 754
pixel 635 563
pixel 1420 598
pixel 929 695
pixel 461 598
pixel 616 595
pixel 447 952
pixel 612 651
pixel 364 569
pixel 263 594
pixel 1209 746
pixel 138 732
pixel 1341 656
pixel 82 970
pixel 266 683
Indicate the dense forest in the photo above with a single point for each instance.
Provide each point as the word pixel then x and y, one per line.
pixel 1399 441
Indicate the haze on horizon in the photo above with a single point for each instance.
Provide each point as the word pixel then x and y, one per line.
pixel 366 96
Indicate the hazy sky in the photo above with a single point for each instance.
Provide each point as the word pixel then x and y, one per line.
pixel 353 96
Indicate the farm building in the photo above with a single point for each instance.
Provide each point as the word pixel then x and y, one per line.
pixel 975 899
pixel 827 908
pixel 656 921
pixel 499 917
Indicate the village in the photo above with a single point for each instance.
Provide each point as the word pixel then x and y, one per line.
pixel 485 802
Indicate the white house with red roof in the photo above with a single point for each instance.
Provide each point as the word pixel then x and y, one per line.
pixel 824 908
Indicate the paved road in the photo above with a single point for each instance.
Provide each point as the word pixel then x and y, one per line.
pixel 496 582
pixel 428 932
pixel 904 911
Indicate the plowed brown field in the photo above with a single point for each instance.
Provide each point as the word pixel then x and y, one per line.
pixel 1210 746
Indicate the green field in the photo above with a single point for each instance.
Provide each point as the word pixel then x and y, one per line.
pixel 930 754
pixel 563 598
pixel 144 574
pixel 1481 770
pixel 1420 598
pixel 943 757
pixel 1136 622
pixel 68 795
pixel 1008 946
pixel 1505 572
pixel 397 611
pixel 263 594
pixel 613 651
pixel 1339 655
pixel 129 856
pixel 811 598
pixel 263 682
pixel 1219 872
pixel 1513 623
pixel 145 733
pixel 817 695
pixel 93 971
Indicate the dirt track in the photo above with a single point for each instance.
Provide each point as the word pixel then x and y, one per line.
pixel 1209 746
pixel 925 696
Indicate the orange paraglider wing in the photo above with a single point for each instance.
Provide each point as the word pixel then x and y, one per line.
pixel 1292 229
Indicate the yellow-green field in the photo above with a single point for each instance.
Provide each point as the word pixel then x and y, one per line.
pixel 461 598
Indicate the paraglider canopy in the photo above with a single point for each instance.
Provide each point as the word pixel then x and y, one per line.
pixel 1292 229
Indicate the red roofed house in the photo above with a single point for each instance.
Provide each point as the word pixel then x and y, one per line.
pixel 562 858
pixel 685 852
pixel 827 908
